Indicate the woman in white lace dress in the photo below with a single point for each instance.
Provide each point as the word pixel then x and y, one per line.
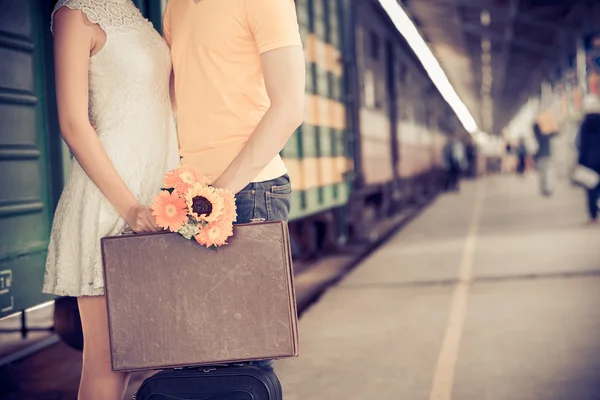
pixel 112 83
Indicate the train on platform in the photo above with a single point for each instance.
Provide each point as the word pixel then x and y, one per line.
pixel 370 147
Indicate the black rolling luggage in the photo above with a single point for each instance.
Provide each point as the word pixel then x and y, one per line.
pixel 237 382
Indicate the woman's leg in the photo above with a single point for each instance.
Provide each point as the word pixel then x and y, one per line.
pixel 98 381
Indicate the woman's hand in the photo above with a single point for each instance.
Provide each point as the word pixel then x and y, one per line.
pixel 140 219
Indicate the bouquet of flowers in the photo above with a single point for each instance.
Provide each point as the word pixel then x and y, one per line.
pixel 189 206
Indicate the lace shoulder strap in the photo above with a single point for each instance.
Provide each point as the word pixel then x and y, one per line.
pixel 105 13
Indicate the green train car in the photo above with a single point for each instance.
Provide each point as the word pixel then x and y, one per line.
pixel 30 151
pixel 370 145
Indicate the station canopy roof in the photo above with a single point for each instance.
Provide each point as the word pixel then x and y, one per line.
pixel 496 53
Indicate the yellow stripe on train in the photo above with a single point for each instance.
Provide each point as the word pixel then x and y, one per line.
pixel 312 172
pixel 323 54
pixel 321 111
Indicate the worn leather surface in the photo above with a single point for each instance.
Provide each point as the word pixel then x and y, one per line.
pixel 172 302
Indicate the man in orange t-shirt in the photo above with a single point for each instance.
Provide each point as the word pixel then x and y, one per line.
pixel 238 85
pixel 238 89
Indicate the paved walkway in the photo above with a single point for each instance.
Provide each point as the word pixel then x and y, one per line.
pixel 493 293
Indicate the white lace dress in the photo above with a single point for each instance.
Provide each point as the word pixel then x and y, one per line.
pixel 130 108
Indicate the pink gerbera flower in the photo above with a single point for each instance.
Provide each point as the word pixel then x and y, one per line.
pixel 169 210
pixel 183 178
pixel 214 235
pixel 229 207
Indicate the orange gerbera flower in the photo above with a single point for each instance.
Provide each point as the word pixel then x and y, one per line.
pixel 214 235
pixel 183 178
pixel 169 210
pixel 204 203
pixel 229 207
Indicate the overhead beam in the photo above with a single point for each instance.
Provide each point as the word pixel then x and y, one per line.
pixel 540 23
pixel 547 51
pixel 506 50
pixel 518 73
pixel 511 104
pixel 501 14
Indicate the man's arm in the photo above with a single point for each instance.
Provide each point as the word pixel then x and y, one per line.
pixel 284 74
pixel 274 26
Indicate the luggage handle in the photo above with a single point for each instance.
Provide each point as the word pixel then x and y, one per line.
pixel 210 368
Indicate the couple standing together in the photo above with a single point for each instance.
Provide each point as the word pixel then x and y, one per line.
pixel 222 91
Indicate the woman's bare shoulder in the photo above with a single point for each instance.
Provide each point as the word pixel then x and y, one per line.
pixel 75 12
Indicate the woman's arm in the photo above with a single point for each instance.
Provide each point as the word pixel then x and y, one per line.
pixel 172 94
pixel 284 74
pixel 166 31
pixel 74 39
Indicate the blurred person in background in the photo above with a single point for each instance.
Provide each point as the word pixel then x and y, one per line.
pixel 508 161
pixel 589 150
pixel 471 159
pixel 521 153
pixel 543 159
pixel 454 161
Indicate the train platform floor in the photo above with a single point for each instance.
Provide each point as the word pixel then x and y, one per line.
pixel 492 293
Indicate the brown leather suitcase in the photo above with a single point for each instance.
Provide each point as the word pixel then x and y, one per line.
pixel 173 303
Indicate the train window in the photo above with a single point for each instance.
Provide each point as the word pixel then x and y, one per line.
pixel 311 15
pixel 381 92
pixel 330 86
pixel 323 83
pixel 327 18
pixel 369 88
pixel 338 88
pixel 373 45
pixel 304 32
pixel 335 27
pixel 319 18
pixel 315 78
pixel 402 75
pixel 302 11
pixel 309 80
pixel 410 112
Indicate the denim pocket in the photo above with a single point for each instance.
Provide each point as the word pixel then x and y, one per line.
pixel 284 190
pixel 278 206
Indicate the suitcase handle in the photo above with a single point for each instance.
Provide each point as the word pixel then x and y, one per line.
pixel 209 368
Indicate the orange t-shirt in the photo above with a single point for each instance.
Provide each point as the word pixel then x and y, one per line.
pixel 219 86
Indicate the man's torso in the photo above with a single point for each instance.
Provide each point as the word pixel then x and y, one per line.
pixel 219 84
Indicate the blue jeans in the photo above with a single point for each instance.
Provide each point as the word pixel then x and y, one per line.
pixel 268 201
pixel 264 201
